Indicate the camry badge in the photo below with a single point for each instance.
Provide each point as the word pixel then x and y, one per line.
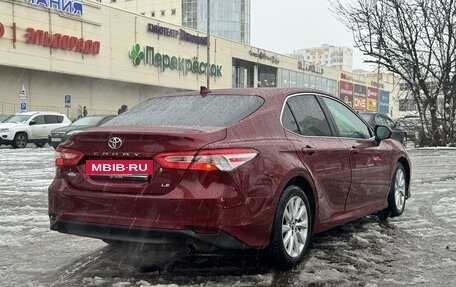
pixel 115 143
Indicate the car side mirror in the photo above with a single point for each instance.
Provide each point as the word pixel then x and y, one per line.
pixel 32 122
pixel 382 133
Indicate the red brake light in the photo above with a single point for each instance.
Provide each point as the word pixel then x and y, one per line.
pixel 67 157
pixel 206 160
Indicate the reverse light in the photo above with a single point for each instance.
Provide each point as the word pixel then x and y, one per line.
pixel 67 157
pixel 206 160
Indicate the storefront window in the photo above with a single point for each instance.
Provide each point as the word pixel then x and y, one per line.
pixel 243 74
pixel 285 78
pixel 312 81
pixel 324 84
pixel 306 81
pixel 318 83
pixel 293 79
pixel 267 76
pixel 300 80
pixel 332 87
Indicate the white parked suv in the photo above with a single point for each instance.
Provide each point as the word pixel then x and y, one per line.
pixel 30 127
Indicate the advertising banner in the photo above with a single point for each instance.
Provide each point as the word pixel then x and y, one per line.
pixel 346 92
pixel 371 105
pixel 360 91
pixel 359 103
pixel 383 101
pixel 372 93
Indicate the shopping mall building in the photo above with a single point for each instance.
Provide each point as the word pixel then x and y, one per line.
pixel 102 57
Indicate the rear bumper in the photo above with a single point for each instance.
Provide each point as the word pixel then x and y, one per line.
pixel 181 215
pixel 55 143
pixel 146 235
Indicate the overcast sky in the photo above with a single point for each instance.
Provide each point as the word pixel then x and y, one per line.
pixel 287 25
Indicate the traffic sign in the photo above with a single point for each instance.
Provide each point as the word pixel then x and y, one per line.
pixel 23 94
pixel 23 106
pixel 67 101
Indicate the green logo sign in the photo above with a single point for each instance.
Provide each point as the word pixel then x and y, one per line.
pixel 136 54
pixel 164 61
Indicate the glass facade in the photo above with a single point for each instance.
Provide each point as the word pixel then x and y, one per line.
pixel 230 19
pixel 293 79
pixel 243 75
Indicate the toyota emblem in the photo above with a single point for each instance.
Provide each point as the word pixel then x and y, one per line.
pixel 115 143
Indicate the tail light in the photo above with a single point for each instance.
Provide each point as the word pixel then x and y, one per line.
pixel 206 160
pixel 65 157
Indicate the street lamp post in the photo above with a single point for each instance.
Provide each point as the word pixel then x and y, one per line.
pixel 208 67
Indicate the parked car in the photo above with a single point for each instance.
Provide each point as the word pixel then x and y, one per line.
pixel 61 134
pixel 375 119
pixel 30 127
pixel 2 118
pixel 412 126
pixel 231 169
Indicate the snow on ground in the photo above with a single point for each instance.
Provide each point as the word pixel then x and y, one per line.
pixel 416 249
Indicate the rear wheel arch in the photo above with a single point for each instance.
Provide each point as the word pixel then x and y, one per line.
pixel 288 246
pixel 305 185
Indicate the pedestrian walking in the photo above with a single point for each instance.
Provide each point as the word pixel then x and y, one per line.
pixel 122 109
pixel 84 111
pixel 79 111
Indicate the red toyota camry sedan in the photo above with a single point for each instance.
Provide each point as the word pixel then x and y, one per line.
pixel 252 168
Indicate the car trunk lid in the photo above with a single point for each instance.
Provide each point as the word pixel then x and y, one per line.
pixel 134 144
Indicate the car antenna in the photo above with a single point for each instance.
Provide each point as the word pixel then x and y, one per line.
pixel 204 91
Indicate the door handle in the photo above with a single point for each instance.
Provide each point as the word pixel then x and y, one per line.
pixel 308 150
pixel 354 150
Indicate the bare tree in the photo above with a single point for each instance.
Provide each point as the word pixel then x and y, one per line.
pixel 415 39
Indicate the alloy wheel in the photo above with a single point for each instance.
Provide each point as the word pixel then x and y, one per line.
pixel 399 189
pixel 295 224
pixel 21 141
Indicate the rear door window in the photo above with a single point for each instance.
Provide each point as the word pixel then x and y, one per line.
pixel 288 120
pixel 210 110
pixel 309 116
pixel 52 119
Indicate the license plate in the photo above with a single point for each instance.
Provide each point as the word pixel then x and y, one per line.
pixel 56 139
pixel 119 167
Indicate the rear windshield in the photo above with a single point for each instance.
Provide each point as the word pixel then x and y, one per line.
pixel 87 121
pixel 210 110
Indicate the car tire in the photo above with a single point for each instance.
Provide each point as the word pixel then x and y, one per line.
pixel 397 194
pixel 40 144
pixel 20 140
pixel 114 243
pixel 291 228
